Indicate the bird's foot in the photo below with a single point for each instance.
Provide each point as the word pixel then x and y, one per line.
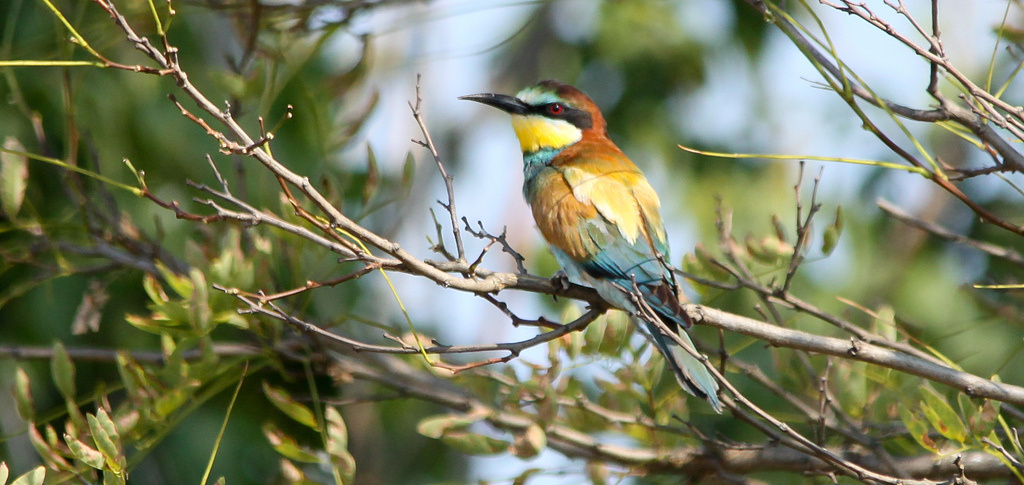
pixel 560 280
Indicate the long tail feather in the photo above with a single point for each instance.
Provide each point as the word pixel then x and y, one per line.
pixel 692 375
pixel 690 372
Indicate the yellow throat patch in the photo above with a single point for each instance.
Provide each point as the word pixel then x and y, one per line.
pixel 537 132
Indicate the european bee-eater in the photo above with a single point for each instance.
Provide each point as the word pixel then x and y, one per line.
pixel 598 213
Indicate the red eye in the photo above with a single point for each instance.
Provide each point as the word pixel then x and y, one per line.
pixel 555 109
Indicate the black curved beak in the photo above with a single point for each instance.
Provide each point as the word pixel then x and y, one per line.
pixel 504 102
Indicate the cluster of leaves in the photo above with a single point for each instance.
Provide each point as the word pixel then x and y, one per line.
pixel 90 443
pixel 158 395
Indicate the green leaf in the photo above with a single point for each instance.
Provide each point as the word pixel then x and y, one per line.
pixel 832 233
pixel 436 426
pixel 706 262
pixel 337 433
pixel 829 240
pixel 153 289
pixel 199 302
pixel 85 453
pixel 761 250
pixel 337 444
pixel 294 409
pixel 918 429
pixel 981 420
pixel 180 284
pixel 34 477
pixel 63 371
pixel 13 177
pixel 408 172
pixel 45 449
pixel 474 444
pixel 23 395
pixel 107 440
pixel 942 416
pixel 132 376
pixel 113 478
pixel 287 446
pixel 170 401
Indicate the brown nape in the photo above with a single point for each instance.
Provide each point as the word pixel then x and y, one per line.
pixel 579 100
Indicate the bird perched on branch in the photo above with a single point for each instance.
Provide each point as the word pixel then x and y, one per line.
pixel 600 215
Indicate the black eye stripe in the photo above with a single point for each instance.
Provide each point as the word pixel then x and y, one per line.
pixel 578 117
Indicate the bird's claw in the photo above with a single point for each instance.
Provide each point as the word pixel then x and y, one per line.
pixel 560 280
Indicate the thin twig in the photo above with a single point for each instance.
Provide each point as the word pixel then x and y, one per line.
pixel 940 232
pixel 428 143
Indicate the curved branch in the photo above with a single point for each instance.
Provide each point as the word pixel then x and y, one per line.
pixel 969 384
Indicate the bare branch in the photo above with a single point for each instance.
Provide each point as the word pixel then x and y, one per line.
pixel 969 384
pixel 428 143
pixel 936 230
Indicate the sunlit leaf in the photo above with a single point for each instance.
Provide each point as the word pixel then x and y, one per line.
pixel 107 439
pixel 13 177
pixel 34 477
pixel 113 478
pixel 337 444
pixel 287 446
pixel 291 473
pixel 170 401
pixel 918 429
pixel 85 453
pixel 942 416
pixel 45 449
pixel 294 409
pixel 182 285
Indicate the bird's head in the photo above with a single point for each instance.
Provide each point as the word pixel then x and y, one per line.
pixel 547 116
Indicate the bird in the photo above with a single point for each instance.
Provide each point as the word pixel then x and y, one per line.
pixel 599 215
